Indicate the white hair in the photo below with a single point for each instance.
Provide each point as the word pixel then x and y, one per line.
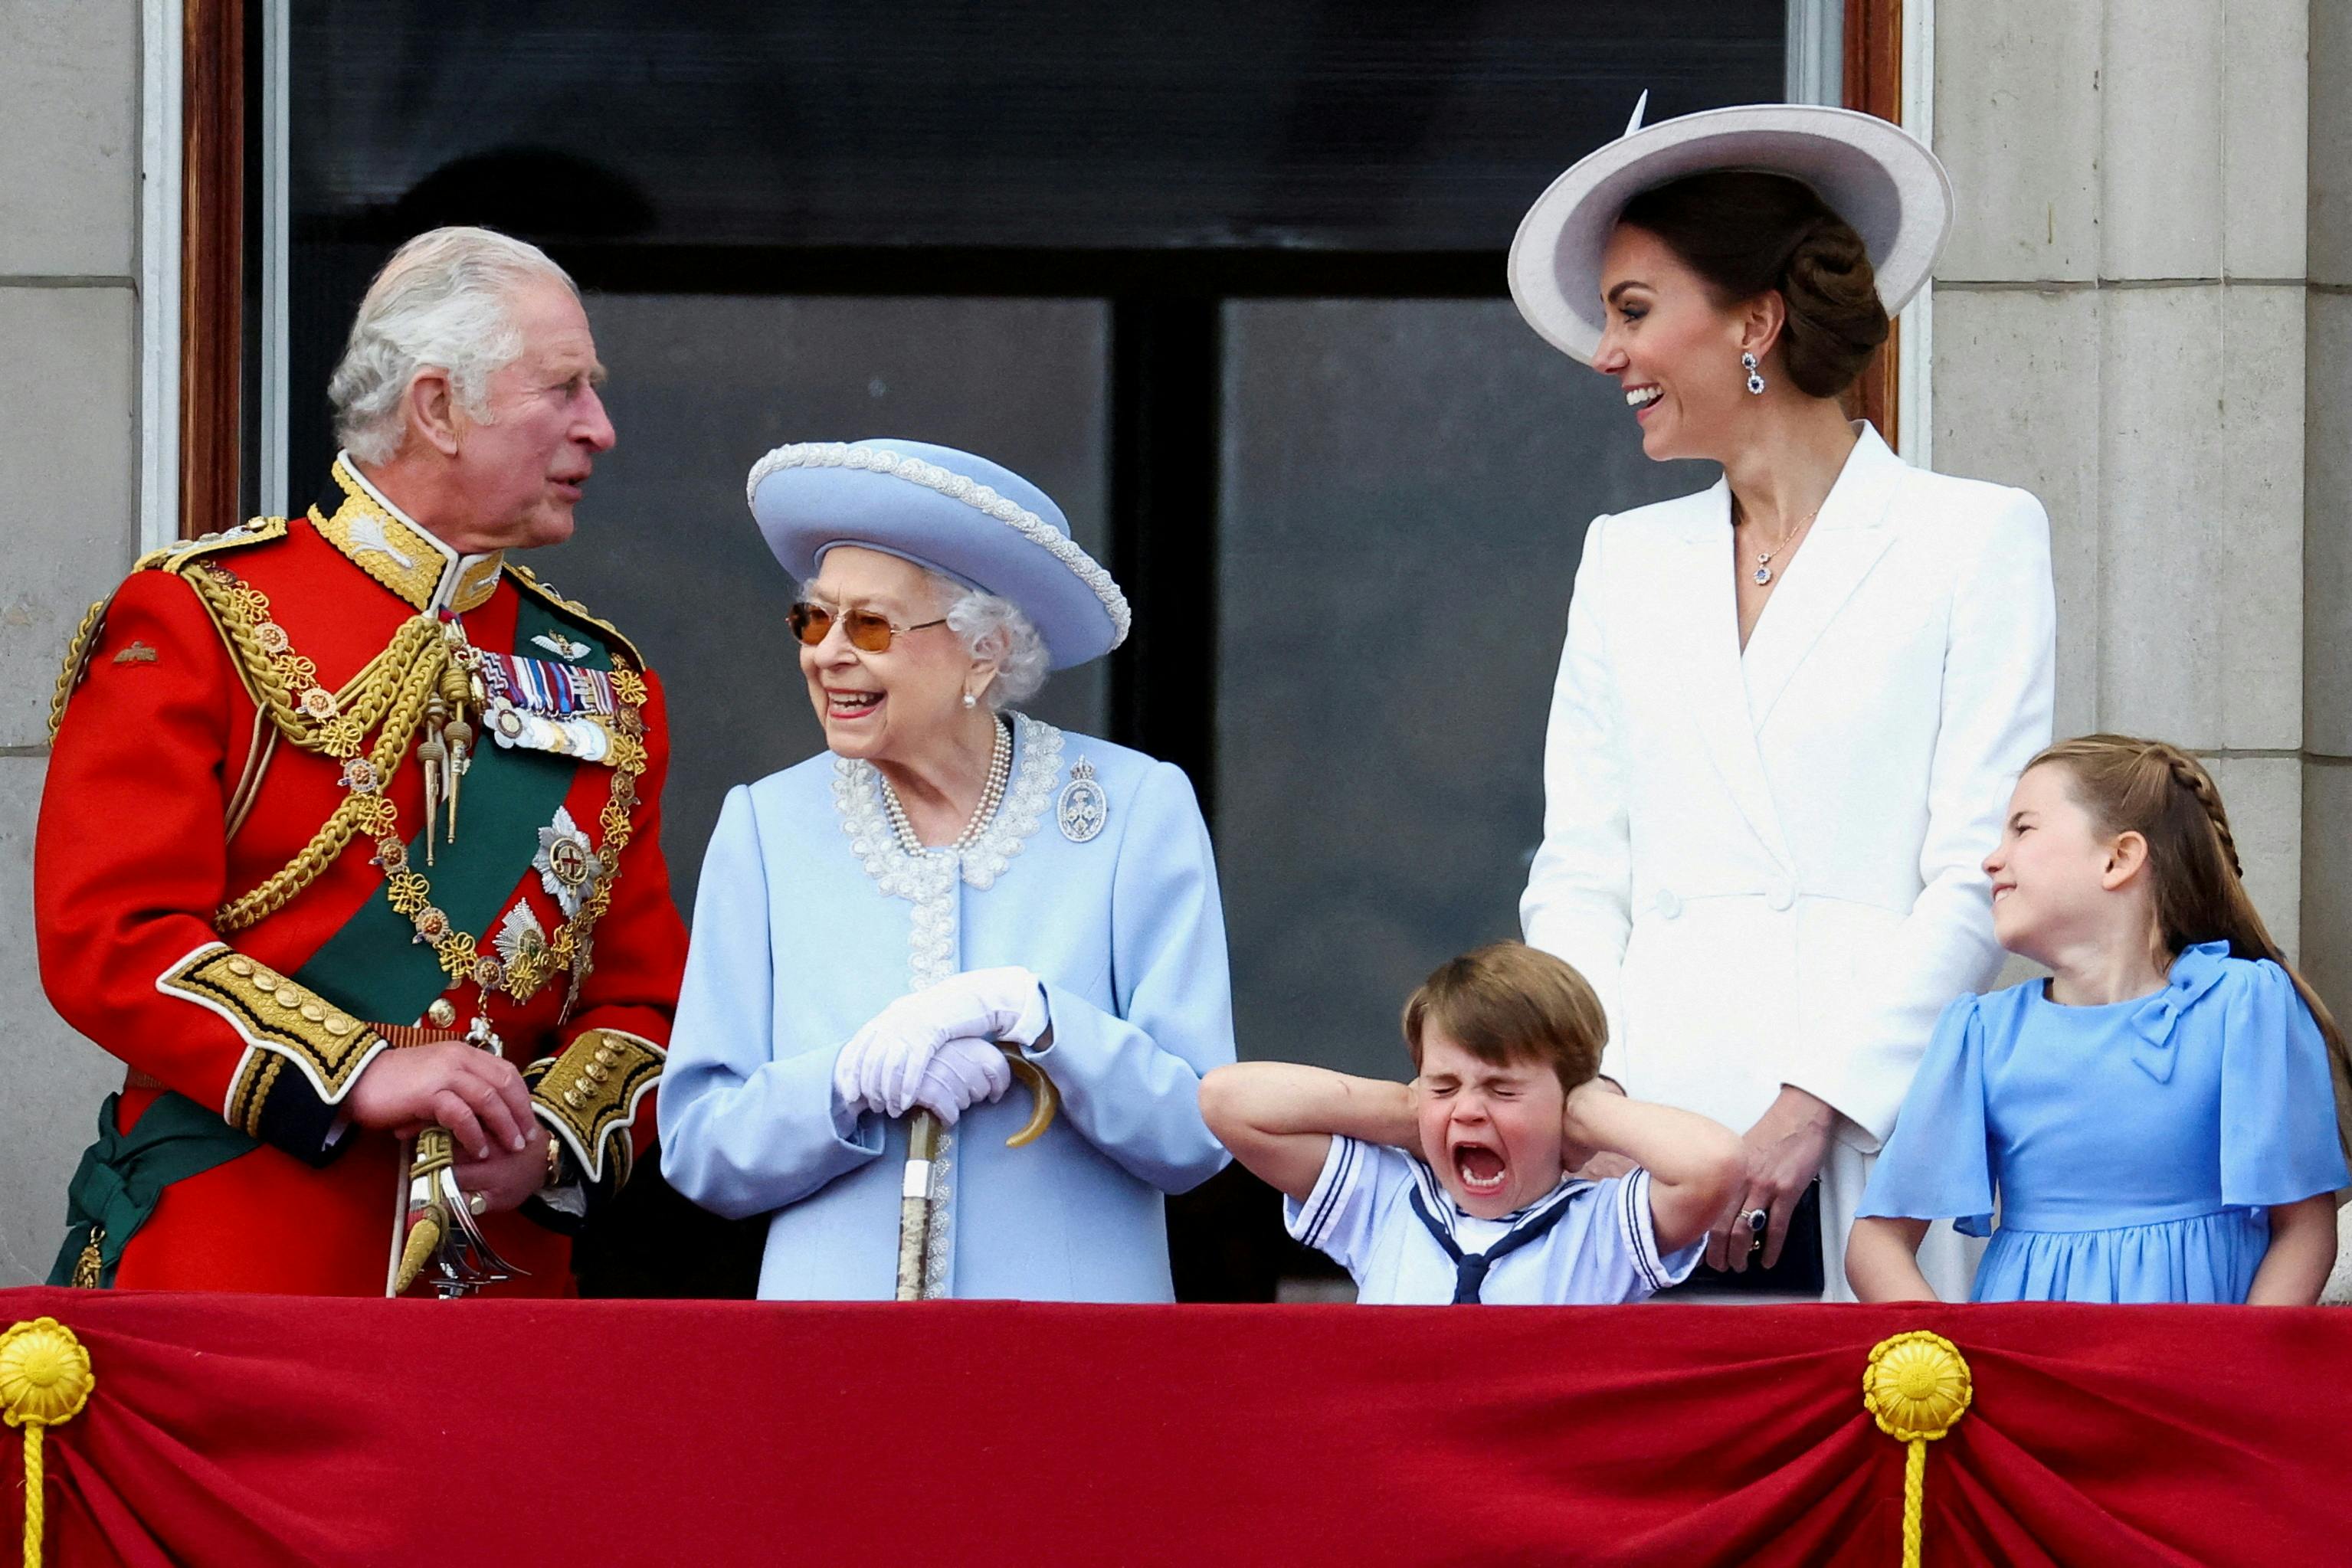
pixel 990 627
pixel 444 299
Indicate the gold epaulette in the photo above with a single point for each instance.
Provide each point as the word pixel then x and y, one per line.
pixel 175 559
pixel 528 580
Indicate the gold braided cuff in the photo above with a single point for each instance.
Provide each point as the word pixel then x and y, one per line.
pixel 588 1097
pixel 280 1023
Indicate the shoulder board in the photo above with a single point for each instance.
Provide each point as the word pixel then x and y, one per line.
pixel 528 580
pixel 178 558
pixel 175 558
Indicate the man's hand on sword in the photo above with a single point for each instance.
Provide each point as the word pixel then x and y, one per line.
pixel 480 1097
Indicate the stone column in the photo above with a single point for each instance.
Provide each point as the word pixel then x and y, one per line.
pixel 2120 327
pixel 69 139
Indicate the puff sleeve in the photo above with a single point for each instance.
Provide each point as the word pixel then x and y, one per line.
pixel 2279 1141
pixel 1938 1163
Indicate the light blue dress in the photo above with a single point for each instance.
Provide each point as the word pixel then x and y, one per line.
pixel 2135 1148
pixel 811 919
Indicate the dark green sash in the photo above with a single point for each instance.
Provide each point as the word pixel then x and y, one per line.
pixel 122 1176
pixel 374 968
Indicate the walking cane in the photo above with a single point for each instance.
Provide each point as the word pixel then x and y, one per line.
pixel 923 1132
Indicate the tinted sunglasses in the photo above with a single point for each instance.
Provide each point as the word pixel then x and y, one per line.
pixel 866 630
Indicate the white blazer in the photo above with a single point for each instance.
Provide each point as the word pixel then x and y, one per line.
pixel 1768 863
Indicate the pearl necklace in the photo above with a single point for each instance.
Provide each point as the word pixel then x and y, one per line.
pixel 992 796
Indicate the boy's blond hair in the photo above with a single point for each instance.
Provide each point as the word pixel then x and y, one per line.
pixel 1506 1003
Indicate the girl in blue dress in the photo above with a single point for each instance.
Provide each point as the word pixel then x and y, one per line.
pixel 2159 1118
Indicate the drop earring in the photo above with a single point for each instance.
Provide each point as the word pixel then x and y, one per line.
pixel 1754 382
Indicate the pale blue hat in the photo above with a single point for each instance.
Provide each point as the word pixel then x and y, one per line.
pixel 981 523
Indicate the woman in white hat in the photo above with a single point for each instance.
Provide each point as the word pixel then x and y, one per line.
pixel 953 893
pixel 1790 706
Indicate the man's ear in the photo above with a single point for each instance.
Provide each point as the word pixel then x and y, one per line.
pixel 2127 858
pixel 430 410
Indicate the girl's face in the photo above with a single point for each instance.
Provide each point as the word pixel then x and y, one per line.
pixel 1672 347
pixel 2054 873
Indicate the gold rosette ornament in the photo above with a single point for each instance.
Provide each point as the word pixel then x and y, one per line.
pixel 45 1380
pixel 1917 1387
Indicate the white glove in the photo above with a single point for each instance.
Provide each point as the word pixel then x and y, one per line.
pixel 960 1074
pixel 882 1066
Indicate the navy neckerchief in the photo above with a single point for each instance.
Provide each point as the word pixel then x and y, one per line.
pixel 1470 1267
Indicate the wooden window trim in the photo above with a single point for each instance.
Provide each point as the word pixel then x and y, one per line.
pixel 212 263
pixel 1873 84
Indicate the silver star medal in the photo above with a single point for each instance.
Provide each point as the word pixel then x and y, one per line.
pixel 1083 809
pixel 567 867
pixel 520 936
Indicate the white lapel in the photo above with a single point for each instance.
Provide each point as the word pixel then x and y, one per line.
pixel 1701 644
pixel 1848 538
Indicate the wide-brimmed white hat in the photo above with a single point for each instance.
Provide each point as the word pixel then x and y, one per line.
pixel 1875 174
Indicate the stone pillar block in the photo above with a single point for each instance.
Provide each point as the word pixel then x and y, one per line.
pixel 56 1078
pixel 2265 137
pixel 70 136
pixel 2017 401
pixel 2164 490
pixel 68 480
pixel 2163 143
pixel 2021 141
pixel 2265 797
pixel 2327 528
pixel 2257 590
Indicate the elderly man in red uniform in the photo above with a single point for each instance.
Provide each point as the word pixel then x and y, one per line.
pixel 351 833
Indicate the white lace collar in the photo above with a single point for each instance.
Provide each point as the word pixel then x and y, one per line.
pixel 857 798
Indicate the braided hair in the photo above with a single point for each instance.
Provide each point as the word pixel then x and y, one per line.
pixel 2162 793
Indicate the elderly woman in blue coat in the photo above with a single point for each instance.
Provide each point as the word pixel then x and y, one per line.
pixel 951 886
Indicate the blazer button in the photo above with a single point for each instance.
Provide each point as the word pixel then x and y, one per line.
pixel 1667 904
pixel 1783 895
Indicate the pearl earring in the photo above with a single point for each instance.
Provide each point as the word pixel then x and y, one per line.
pixel 1754 382
pixel 970 700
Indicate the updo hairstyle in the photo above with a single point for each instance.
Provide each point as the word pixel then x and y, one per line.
pixel 1745 231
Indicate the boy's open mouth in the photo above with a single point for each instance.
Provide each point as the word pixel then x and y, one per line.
pixel 1480 1168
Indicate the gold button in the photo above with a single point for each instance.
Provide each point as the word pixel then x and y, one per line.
pixel 288 997
pixel 604 1054
pixel 314 1012
pixel 337 1024
pixel 571 1098
pixel 263 980
pixel 441 1015
pixel 240 967
pixel 599 1072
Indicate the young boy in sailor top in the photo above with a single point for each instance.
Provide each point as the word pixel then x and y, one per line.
pixel 1453 1187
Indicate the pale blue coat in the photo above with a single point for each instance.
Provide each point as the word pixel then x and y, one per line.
pixel 811 919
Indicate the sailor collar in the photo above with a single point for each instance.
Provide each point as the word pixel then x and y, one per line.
pixel 395 549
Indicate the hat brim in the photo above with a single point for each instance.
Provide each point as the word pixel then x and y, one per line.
pixel 1873 173
pixel 805 511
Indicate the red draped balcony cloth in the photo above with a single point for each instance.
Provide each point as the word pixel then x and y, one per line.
pixel 261 1430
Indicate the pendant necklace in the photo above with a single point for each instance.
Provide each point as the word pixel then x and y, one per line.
pixel 1764 559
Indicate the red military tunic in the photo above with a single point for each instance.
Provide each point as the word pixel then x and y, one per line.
pixel 187 773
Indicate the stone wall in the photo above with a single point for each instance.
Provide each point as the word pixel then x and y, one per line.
pixel 70 142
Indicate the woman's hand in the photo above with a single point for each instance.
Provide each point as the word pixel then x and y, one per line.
pixel 1785 1149
pixel 963 1072
pixel 883 1066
